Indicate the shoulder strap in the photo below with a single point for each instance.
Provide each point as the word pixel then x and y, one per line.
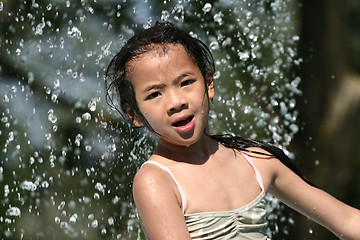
pixel 257 173
pixel 181 191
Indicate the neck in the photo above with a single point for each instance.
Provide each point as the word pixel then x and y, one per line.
pixel 197 153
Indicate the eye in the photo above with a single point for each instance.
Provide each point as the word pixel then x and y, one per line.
pixel 153 95
pixel 187 82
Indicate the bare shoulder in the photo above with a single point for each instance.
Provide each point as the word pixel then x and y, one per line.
pixel 267 164
pixel 149 178
pixel 263 157
pixel 158 204
pixel 153 185
pixel 257 152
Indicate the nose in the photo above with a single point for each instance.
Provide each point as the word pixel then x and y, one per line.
pixel 175 102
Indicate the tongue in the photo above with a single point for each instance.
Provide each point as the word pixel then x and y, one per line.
pixel 182 122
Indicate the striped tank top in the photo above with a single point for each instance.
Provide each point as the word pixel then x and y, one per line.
pixel 248 222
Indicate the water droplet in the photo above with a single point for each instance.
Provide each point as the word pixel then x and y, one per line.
pixel 39 28
pixel 54 98
pixel 78 139
pixel 91 10
pixel 219 18
pixel 86 116
pixel 48 7
pixel 91 217
pixel 276 6
pixel 45 184
pixel 64 225
pixel 31 77
pixel 73 218
pixel 111 221
pixel 92 105
pixel 100 187
pixel 105 48
pixel 61 205
pixel 89 53
pixel 178 12
pixel 11 136
pixel 74 32
pixel 276 137
pixel 214 45
pixel 96 196
pixel 207 7
pixel 227 42
pixel 6 98
pixel 244 55
pixel 13 212
pixel 94 223
pixel 74 75
pixel 283 108
pixel 51 116
pixel 78 120
pixel 248 15
pixel 56 83
pixel 57 220
pixel 248 109
pixel 165 15
pixel 28 185
pixel 6 190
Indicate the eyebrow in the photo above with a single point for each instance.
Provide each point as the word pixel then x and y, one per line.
pixel 155 86
pixel 175 81
pixel 180 77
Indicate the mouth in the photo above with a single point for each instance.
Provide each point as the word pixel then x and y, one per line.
pixel 183 125
pixel 183 122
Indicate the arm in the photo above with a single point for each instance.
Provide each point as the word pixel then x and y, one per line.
pixel 314 203
pixel 158 205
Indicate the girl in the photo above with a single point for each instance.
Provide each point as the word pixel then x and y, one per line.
pixel 198 186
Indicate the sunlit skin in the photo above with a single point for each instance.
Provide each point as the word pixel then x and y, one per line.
pixel 170 87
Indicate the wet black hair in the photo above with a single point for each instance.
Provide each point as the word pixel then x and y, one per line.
pixel 118 84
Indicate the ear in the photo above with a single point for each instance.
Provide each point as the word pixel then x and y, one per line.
pixel 210 84
pixel 132 115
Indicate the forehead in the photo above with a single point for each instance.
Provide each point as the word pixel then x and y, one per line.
pixel 158 50
pixel 152 52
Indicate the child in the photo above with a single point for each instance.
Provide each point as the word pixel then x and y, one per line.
pixel 198 186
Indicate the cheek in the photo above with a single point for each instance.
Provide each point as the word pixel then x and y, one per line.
pixel 156 123
pixel 152 116
pixel 204 100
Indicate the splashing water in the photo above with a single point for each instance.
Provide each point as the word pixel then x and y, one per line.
pixel 66 158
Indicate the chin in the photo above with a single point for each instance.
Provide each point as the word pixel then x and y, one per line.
pixel 178 141
pixel 188 142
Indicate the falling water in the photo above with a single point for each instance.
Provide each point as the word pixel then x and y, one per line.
pixel 66 158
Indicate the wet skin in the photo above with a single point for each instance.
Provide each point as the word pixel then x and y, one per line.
pixel 171 94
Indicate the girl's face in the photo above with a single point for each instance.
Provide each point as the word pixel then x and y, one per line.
pixel 170 93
